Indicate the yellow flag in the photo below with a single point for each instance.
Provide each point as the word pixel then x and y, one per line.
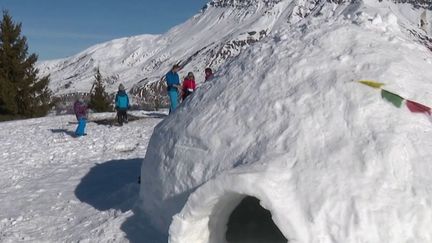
pixel 373 84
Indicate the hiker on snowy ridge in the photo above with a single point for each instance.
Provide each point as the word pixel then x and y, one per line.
pixel 80 109
pixel 208 74
pixel 188 86
pixel 173 82
pixel 122 105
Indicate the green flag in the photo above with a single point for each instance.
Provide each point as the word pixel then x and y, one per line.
pixel 395 99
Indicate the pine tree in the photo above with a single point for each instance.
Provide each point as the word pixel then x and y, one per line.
pixel 99 99
pixel 22 93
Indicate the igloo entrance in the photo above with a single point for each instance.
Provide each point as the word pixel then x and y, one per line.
pixel 251 223
pixel 228 210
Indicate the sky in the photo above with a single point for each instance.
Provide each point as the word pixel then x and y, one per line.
pixel 61 28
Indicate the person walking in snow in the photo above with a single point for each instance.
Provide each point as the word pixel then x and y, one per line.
pixel 80 109
pixel 188 86
pixel 208 74
pixel 122 105
pixel 173 82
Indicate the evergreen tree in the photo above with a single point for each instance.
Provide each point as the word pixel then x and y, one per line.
pixel 99 99
pixel 22 93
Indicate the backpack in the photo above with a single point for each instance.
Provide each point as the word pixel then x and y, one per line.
pixel 122 101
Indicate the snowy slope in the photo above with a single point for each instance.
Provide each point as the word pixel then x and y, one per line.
pixel 220 31
pixel 76 74
pixel 55 188
pixel 330 159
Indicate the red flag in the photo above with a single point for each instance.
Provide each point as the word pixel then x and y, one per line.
pixel 418 108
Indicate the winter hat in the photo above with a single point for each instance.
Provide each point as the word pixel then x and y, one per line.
pixel 121 87
pixel 208 70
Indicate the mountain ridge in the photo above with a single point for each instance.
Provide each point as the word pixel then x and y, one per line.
pixel 218 33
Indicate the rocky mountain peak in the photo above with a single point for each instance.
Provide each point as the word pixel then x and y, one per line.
pixel 241 3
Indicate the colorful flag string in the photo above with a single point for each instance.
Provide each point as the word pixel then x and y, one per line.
pixel 398 100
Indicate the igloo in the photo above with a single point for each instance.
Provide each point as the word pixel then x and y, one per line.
pixel 287 128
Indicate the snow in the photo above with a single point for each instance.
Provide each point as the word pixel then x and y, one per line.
pixel 56 188
pixel 287 123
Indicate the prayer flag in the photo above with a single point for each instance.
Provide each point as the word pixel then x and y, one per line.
pixel 417 108
pixel 395 99
pixel 373 84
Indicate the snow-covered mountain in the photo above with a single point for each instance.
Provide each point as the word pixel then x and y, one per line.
pixel 220 31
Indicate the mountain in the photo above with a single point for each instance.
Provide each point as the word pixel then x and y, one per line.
pixel 287 122
pixel 218 33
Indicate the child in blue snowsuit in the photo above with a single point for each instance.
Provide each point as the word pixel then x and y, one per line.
pixel 80 109
pixel 122 105
pixel 173 83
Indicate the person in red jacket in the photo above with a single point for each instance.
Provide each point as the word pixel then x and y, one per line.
pixel 188 86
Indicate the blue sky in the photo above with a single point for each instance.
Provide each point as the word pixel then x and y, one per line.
pixel 60 28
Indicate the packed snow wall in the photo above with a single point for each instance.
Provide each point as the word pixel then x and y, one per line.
pixel 288 123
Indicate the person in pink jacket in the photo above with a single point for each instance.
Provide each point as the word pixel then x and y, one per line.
pixel 80 109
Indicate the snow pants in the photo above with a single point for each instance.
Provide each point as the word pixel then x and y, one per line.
pixel 173 96
pixel 80 131
pixel 122 117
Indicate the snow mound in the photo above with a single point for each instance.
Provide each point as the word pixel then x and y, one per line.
pixel 288 124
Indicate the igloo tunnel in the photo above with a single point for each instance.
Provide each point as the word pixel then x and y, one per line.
pixel 287 123
pixel 235 208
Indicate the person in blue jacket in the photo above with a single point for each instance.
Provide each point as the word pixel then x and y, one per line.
pixel 173 82
pixel 122 105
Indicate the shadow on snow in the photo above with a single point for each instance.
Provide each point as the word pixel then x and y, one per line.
pixel 66 132
pixel 131 118
pixel 113 185
pixel 156 115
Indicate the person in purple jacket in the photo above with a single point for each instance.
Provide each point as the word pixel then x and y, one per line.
pixel 80 109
